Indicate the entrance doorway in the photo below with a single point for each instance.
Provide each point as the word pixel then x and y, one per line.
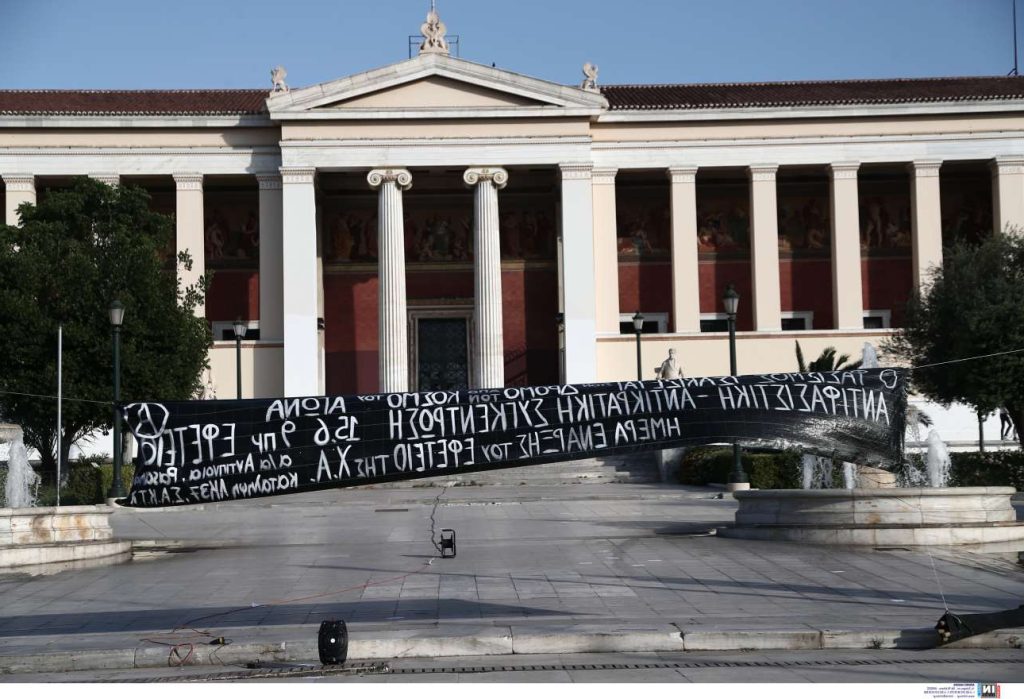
pixel 441 350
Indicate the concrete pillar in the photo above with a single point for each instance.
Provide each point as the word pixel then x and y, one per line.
pixel 578 273
pixel 926 211
pixel 490 343
pixel 190 229
pixel 685 267
pixel 271 250
pixel 1008 193
pixel 107 178
pixel 299 278
pixel 764 247
pixel 394 342
pixel 847 294
pixel 20 189
pixel 606 251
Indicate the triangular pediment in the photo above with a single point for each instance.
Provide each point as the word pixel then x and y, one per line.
pixel 434 86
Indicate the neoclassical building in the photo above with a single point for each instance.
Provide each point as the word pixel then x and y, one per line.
pixel 438 223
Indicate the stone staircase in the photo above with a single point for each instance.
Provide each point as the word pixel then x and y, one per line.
pixel 631 468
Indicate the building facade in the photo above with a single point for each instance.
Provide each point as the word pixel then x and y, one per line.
pixel 439 223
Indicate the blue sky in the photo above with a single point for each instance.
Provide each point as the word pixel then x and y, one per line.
pixel 233 43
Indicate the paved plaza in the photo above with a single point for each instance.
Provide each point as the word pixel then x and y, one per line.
pixel 540 560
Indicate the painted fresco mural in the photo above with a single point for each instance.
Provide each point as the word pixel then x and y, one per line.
pixel 885 219
pixel 804 221
pixel 966 208
pixel 723 218
pixel 643 223
pixel 232 228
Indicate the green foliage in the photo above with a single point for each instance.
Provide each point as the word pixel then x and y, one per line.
pixel 826 361
pixel 88 483
pixel 989 469
pixel 765 470
pixel 72 255
pixel 974 306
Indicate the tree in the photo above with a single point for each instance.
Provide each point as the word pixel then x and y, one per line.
pixel 974 306
pixel 826 361
pixel 73 254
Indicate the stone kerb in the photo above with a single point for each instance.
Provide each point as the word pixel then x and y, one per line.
pixel 878 516
pixel 35 526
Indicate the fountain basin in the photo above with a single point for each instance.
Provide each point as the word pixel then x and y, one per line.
pixel 878 516
pixel 43 535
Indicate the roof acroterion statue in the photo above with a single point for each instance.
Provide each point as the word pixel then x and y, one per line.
pixel 433 31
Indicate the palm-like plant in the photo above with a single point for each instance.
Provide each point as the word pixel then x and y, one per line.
pixel 826 361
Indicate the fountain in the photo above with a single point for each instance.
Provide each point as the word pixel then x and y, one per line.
pixel 22 481
pixel 871 511
pixel 34 536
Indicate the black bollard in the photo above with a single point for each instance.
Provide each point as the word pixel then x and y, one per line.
pixel 333 642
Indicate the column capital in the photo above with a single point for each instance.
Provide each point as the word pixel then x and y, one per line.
pixel 19 182
pixel 188 181
pixel 844 171
pixel 268 180
pixel 682 174
pixel 495 175
pixel 924 168
pixel 108 178
pixel 576 171
pixel 401 177
pixel 762 173
pixel 604 175
pixel 1008 165
pixel 298 175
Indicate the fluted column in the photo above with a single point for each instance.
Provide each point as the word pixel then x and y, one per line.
pixel 190 229
pixel 299 280
pixel 1008 193
pixel 606 250
pixel 490 338
pixel 764 247
pixel 394 344
pixel 271 249
pixel 685 265
pixel 847 289
pixel 925 205
pixel 20 189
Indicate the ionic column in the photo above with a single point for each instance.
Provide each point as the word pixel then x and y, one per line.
pixel 606 250
pixel 578 273
pixel 20 189
pixel 847 294
pixel 925 205
pixel 271 249
pixel 190 229
pixel 299 280
pixel 394 345
pixel 685 266
pixel 1008 193
pixel 107 178
pixel 490 338
pixel 764 247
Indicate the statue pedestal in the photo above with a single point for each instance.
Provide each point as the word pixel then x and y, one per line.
pixel 878 516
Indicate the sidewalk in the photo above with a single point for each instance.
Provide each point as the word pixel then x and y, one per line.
pixel 556 569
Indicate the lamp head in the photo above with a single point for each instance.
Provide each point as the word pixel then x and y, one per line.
pixel 638 322
pixel 116 313
pixel 731 299
pixel 240 327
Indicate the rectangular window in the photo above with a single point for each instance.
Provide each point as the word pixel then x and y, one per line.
pixel 714 323
pixel 224 330
pixel 653 323
pixel 877 320
pixel 797 320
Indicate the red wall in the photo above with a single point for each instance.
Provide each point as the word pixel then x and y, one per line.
pixel 530 305
pixel 233 293
pixel 714 276
pixel 887 283
pixel 806 285
pixel 645 287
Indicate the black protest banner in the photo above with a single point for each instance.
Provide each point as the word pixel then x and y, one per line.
pixel 209 451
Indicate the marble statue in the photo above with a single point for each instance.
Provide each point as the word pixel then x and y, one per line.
pixel 277 76
pixel 670 368
pixel 433 31
pixel 589 77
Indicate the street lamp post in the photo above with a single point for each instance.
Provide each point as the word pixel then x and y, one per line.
pixel 638 327
pixel 116 318
pixel 240 329
pixel 731 301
